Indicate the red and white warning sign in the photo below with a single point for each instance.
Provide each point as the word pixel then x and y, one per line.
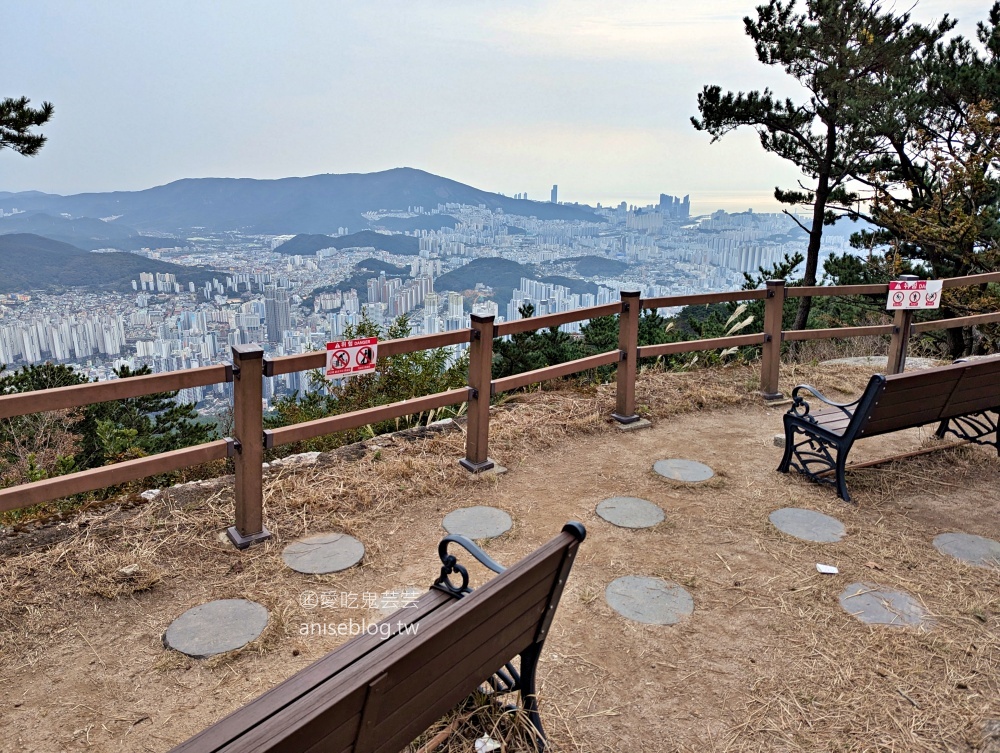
pixel 351 356
pixel 915 294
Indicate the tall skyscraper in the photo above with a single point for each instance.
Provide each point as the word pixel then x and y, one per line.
pixel 277 312
pixel 555 194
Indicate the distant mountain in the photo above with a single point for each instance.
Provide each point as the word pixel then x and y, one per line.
pixel 30 262
pixel 316 204
pixel 305 244
pixel 83 232
pixel 503 275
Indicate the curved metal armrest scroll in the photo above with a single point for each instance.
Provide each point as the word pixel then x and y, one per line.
pixel 801 408
pixel 449 565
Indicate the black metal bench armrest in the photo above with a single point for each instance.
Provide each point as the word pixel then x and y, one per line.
pixel 800 407
pixel 450 565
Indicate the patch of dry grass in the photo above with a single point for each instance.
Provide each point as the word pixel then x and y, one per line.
pixel 481 715
pixel 829 683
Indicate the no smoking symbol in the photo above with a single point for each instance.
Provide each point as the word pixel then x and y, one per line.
pixel 341 359
pixel 364 357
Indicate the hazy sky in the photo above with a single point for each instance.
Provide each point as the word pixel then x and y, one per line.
pixel 507 96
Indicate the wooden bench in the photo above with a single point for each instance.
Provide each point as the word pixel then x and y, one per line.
pixel 375 694
pixel 960 397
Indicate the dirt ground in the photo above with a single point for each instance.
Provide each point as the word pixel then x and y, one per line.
pixel 768 661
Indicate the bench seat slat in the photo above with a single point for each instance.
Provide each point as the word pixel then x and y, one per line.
pixel 833 420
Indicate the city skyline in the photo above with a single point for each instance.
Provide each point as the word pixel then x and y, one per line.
pixel 511 99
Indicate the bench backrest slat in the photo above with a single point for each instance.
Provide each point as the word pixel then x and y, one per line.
pixel 910 399
pixel 279 697
pixel 428 689
pixel 978 389
pixel 405 683
pixel 917 398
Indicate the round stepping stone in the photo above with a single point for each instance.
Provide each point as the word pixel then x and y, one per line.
pixel 653 601
pixel 808 525
pixel 216 627
pixel 326 553
pixel 630 512
pixel 478 522
pixel 975 550
pixel 689 471
pixel 875 605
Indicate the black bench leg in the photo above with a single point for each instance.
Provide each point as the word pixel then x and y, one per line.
pixel 529 667
pixel 841 481
pixel 786 459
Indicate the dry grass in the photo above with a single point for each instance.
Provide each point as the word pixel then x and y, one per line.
pixel 481 716
pixel 794 674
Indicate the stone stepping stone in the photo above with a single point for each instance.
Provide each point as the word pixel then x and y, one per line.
pixel 876 605
pixel 630 512
pixel 688 471
pixel 325 553
pixel 653 601
pixel 975 550
pixel 478 522
pixel 808 525
pixel 216 627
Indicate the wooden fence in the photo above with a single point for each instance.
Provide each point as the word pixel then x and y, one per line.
pixel 250 440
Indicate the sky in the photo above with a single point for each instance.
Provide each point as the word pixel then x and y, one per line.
pixel 510 96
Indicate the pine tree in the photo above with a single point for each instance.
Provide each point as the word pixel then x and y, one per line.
pixel 933 176
pixel 16 121
pixel 842 52
pixel 138 426
pixel 38 445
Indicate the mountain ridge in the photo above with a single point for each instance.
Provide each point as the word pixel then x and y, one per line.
pixel 316 204
pixel 31 262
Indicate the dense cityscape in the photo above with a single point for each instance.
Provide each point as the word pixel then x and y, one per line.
pixel 292 303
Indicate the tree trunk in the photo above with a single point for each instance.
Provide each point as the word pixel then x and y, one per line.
pixel 816 231
pixel 812 252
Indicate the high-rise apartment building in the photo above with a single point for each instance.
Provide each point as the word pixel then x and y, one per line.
pixel 277 312
pixel 555 194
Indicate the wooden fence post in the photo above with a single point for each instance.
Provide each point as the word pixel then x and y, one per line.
pixel 770 361
pixel 477 429
pixel 902 321
pixel 248 416
pixel 628 344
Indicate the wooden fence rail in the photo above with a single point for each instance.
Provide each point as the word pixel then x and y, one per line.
pixel 249 367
